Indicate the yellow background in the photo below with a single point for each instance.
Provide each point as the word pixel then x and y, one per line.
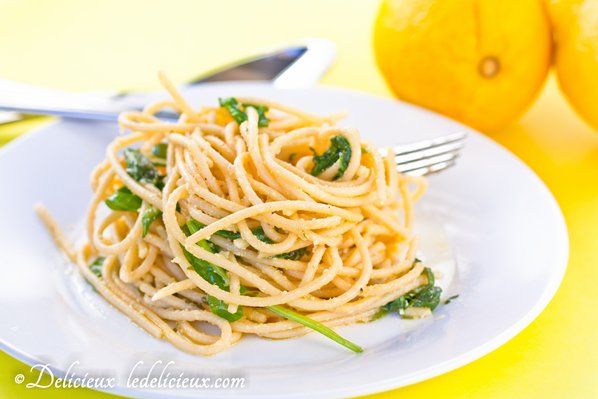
pixel 85 45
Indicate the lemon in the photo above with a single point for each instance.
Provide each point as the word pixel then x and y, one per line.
pixel 480 62
pixel 575 25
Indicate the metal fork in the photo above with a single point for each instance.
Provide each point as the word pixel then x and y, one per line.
pixel 429 156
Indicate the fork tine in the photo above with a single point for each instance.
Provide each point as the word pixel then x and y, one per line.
pixel 428 163
pixel 452 147
pixel 429 156
pixel 426 171
pixel 427 144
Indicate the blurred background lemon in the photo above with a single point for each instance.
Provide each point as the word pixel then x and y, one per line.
pixel 575 27
pixel 481 62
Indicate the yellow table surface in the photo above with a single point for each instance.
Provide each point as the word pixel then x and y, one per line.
pixel 90 45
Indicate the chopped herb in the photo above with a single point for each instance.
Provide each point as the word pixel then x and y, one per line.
pixel 232 106
pixel 304 320
pixel 263 120
pixel 148 217
pixel 231 235
pixel 292 157
pixel 209 246
pixel 398 305
pixel 123 200
pixel 96 266
pixel 248 291
pixel 339 149
pixel 220 308
pixel 293 255
pixel 314 325
pixel 425 296
pixel 234 109
pixel 159 150
pixel 450 299
pixel 261 235
pixel 213 274
pixel 140 168
pixel 194 226
pixel 379 314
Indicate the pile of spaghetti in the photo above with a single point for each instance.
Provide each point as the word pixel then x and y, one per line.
pixel 251 216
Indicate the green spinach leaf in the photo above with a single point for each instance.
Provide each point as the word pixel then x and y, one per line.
pixel 231 235
pixel 148 217
pixel 233 107
pixel 140 168
pixel 213 274
pixel 123 200
pixel 293 255
pixel 262 121
pixel 220 308
pixel 194 226
pixel 289 314
pixel 261 235
pixel 160 150
pixel 96 266
pixel 425 296
pixel 237 111
pixel 339 149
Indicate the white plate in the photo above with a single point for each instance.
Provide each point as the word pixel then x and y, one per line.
pixel 502 224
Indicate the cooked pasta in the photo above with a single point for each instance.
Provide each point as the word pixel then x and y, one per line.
pixel 251 216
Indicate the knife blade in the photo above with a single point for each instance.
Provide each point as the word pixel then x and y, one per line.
pixel 266 67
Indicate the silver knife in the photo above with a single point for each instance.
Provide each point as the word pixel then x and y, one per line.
pixel 301 64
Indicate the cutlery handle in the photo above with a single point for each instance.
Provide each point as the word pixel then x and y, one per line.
pixel 21 97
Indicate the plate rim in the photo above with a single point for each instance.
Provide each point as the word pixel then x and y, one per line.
pixel 390 383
